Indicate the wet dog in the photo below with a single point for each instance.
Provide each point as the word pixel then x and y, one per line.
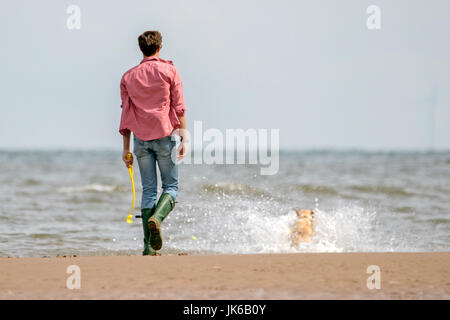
pixel 303 229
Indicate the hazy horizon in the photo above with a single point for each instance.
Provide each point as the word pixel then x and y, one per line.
pixel 286 150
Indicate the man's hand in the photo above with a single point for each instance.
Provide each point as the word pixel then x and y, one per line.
pixel 182 149
pixel 184 135
pixel 126 148
pixel 128 163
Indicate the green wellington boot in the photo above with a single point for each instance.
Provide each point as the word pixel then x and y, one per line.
pixel 146 214
pixel 165 204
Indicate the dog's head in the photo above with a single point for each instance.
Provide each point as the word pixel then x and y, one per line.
pixel 305 213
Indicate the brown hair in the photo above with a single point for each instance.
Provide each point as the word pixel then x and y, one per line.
pixel 150 42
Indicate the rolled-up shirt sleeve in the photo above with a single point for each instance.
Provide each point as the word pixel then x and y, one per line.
pixel 176 95
pixel 123 93
pixel 123 127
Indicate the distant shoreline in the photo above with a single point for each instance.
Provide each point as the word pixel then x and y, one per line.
pixel 282 150
pixel 418 275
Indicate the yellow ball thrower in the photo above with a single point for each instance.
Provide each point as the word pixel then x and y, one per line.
pixel 130 170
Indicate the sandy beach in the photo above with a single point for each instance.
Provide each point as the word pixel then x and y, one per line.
pixel 256 276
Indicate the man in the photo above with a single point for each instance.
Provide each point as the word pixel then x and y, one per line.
pixel 153 109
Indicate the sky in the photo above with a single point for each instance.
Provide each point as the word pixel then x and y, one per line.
pixel 311 69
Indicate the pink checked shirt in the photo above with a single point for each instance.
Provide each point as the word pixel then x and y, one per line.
pixel 152 99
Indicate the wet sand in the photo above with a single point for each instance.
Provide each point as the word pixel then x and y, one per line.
pixel 259 276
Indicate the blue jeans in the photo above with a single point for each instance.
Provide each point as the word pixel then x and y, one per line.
pixel 148 153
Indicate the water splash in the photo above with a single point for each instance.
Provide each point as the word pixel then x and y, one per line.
pixel 346 229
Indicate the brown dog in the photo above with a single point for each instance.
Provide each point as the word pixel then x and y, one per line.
pixel 302 231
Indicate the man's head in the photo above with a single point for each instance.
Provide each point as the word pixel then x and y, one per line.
pixel 150 42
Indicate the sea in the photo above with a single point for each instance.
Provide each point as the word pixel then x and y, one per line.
pixel 70 202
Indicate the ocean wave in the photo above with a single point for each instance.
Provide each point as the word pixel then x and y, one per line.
pixel 234 188
pixel 93 188
pixel 404 209
pixel 32 182
pixel 381 189
pixel 90 199
pixel 439 221
pixel 317 189
pixel 45 236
